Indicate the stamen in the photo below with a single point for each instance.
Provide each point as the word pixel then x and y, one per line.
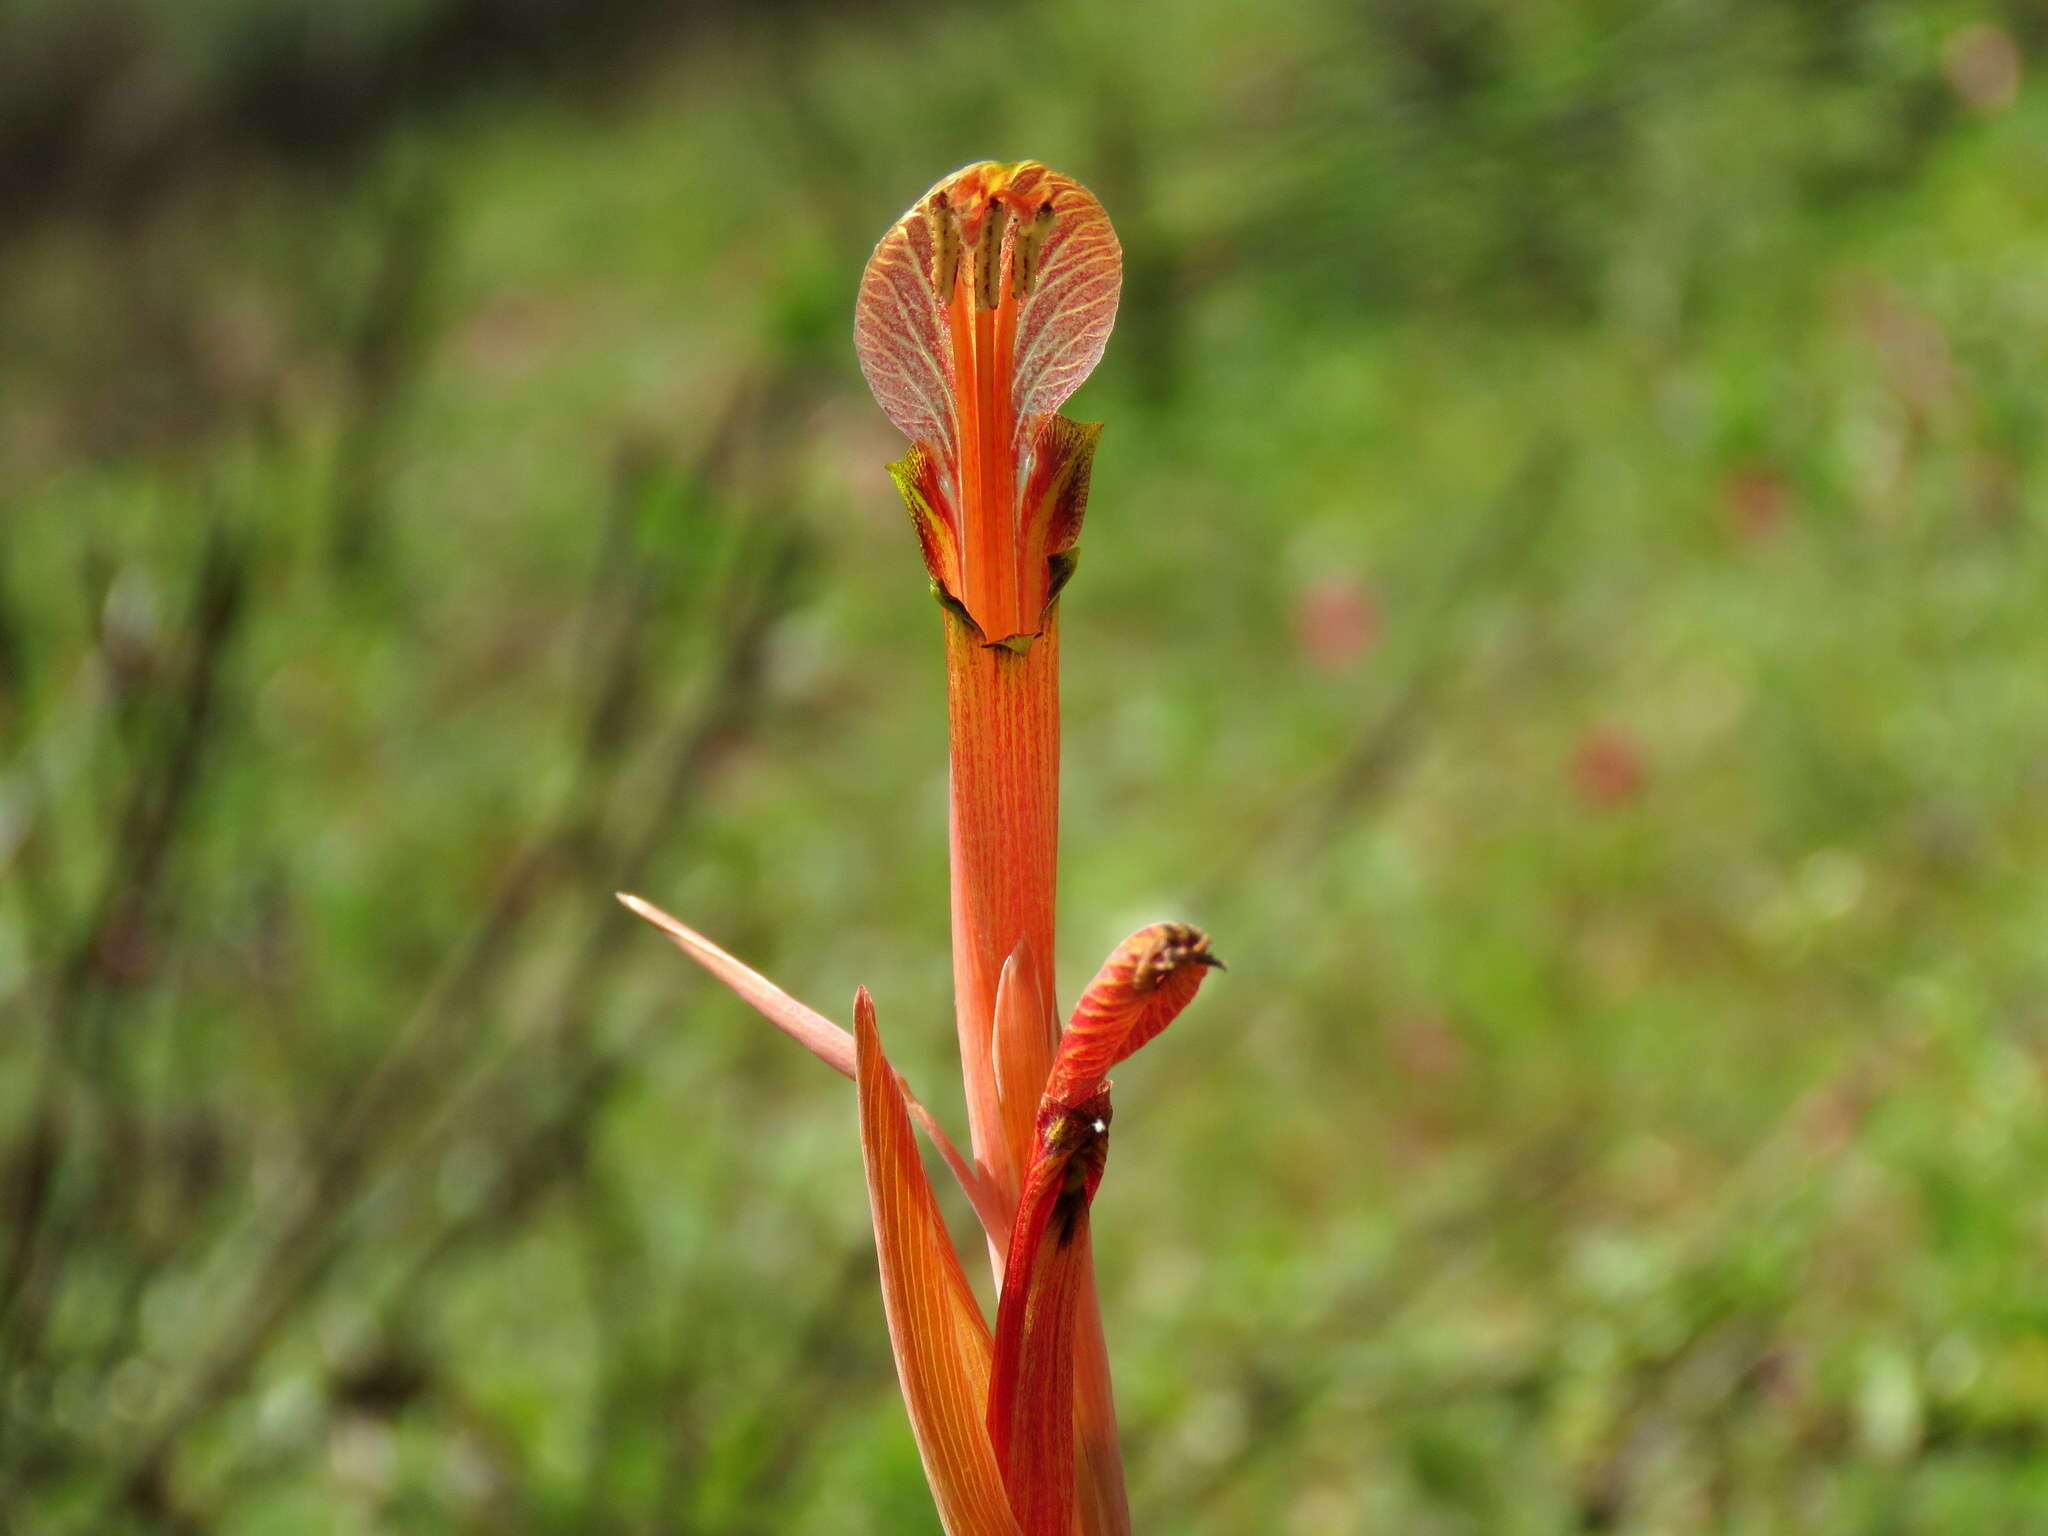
pixel 944 224
pixel 988 257
pixel 1025 248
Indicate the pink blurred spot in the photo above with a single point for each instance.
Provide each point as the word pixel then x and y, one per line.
pixel 1427 1047
pixel 1756 503
pixel 1995 488
pixel 1911 346
pixel 1336 621
pixel 1982 63
pixel 1608 767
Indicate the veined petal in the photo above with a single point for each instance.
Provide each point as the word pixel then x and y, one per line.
pixel 831 1045
pixel 936 1330
pixel 1144 983
pixel 982 309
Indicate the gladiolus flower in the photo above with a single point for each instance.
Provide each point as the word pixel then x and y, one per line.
pixel 982 310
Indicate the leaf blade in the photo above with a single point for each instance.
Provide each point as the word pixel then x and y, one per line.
pixel 830 1044
pixel 936 1329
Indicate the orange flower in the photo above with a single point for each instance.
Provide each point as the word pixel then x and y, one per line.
pixel 981 311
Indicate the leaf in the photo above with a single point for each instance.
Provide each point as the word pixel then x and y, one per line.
pixel 829 1043
pixel 807 1027
pixel 1048 1300
pixel 936 1330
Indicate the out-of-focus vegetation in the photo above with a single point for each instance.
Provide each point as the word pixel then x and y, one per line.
pixel 1563 604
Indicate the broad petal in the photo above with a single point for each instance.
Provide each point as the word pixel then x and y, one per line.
pixel 831 1045
pixel 982 309
pixel 1065 275
pixel 936 1329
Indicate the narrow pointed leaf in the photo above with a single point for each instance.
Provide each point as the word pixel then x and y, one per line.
pixel 1051 1371
pixel 806 1026
pixel 831 1045
pixel 936 1330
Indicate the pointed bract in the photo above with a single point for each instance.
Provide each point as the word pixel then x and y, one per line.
pixel 936 1330
pixel 831 1045
pixel 806 1026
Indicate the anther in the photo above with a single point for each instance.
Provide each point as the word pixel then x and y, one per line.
pixel 1025 248
pixel 988 257
pixel 945 231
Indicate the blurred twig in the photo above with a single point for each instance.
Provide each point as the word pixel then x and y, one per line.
pixel 388 347
pixel 418 1088
pixel 111 943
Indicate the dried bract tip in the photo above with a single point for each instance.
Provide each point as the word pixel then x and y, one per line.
pixel 1173 945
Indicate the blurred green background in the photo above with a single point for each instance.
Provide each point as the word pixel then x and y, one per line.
pixel 1563 603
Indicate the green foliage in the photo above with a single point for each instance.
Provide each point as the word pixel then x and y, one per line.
pixel 1561 605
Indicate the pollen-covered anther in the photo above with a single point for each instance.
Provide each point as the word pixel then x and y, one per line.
pixel 988 256
pixel 944 225
pixel 1026 245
